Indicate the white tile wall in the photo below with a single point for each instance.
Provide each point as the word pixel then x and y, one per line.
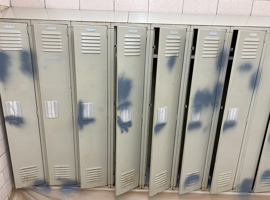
pixel 4 2
pixel 28 3
pixel 171 6
pixel 261 8
pixel 97 5
pixel 131 5
pixel 200 7
pixel 6 177
pixel 235 7
pixel 63 4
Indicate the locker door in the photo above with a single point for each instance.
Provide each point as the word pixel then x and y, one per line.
pixel 245 64
pixel 207 65
pixel 19 105
pixel 131 44
pixel 90 44
pixel 256 129
pixel 55 87
pixel 262 182
pixel 169 68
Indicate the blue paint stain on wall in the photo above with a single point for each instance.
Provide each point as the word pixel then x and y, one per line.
pixel 245 67
pixel 171 62
pixel 15 122
pixel 26 65
pixel 4 65
pixel 82 122
pixel 191 180
pixel 227 125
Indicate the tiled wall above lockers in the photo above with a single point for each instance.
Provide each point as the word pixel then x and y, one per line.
pixel 227 7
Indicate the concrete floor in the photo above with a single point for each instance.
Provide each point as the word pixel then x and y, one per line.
pixel 46 193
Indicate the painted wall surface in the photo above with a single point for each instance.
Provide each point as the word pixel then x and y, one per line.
pixel 227 7
pixel 6 180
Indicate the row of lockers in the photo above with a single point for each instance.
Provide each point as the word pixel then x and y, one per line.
pixel 130 105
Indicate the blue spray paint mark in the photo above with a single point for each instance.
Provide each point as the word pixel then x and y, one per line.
pixel 158 128
pixel 191 180
pixel 203 98
pixel 15 122
pixel 194 125
pixel 82 122
pixel 26 65
pixel 4 64
pixel 124 88
pixel 171 62
pixel 123 126
pixel 246 186
pixel 254 81
pixel 245 67
pixel 227 125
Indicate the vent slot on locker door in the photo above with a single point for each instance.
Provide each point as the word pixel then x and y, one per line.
pixel 128 178
pixel 173 46
pixel 161 179
pixel 210 47
pixel 224 179
pixel 91 43
pixel 62 172
pixel 51 41
pixel 250 48
pixel 132 45
pixel 93 174
pixel 10 40
pixel 29 173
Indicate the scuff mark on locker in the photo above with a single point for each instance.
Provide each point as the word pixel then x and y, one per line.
pixel 26 65
pixel 245 67
pixel 158 128
pixel 254 83
pixel 4 64
pixel 124 88
pixel 16 122
pixel 123 126
pixel 171 62
pixel 82 122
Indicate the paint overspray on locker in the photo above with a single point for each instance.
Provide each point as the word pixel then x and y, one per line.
pixel 203 93
pixel 91 57
pixel 246 61
pixel 131 51
pixel 19 105
pixel 170 59
pixel 52 49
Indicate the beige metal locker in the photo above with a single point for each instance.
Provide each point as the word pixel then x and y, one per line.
pixel 246 60
pixel 262 181
pixel 170 59
pixel 206 69
pixel 256 127
pixel 19 104
pixel 131 50
pixel 52 49
pixel 91 62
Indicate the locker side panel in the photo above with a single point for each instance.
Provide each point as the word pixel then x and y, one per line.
pixel 256 130
pixel 169 70
pixel 90 44
pixel 55 87
pixel 242 81
pixel 19 105
pixel 131 44
pixel 206 69
pixel 262 182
